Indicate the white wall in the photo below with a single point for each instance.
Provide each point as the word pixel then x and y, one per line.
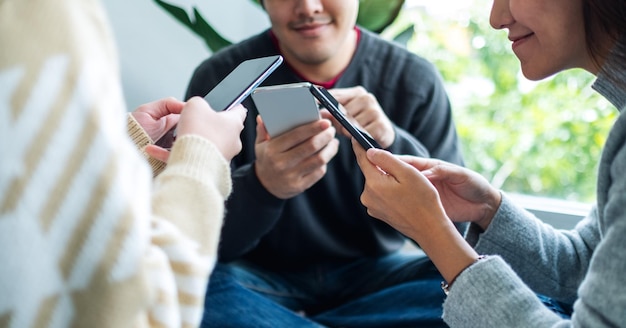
pixel 158 55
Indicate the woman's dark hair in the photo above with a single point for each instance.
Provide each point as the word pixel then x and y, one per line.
pixel 606 18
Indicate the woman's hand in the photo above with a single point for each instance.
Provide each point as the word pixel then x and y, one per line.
pixel 398 193
pixel 416 188
pixel 159 116
pixel 193 117
pixel 466 195
pixel 222 128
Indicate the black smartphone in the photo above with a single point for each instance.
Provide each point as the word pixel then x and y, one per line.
pixel 330 103
pixel 234 88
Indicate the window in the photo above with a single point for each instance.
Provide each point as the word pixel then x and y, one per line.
pixel 532 138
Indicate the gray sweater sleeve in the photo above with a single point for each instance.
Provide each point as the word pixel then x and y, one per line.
pixel 490 294
pixel 552 262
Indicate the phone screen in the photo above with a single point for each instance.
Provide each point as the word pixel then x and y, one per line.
pixel 241 82
pixel 234 88
pixel 328 101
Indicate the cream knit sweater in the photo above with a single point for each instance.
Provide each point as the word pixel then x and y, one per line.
pixel 87 237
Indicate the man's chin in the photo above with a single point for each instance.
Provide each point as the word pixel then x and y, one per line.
pixel 312 57
pixel 311 53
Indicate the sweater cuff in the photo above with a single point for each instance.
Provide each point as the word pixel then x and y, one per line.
pixel 198 158
pixel 141 139
pixel 489 293
pixel 137 133
pixel 474 232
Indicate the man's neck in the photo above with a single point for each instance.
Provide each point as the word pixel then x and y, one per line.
pixel 329 71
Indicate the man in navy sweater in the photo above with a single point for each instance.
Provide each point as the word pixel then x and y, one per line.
pixel 297 248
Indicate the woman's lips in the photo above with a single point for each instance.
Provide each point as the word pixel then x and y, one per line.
pixel 518 40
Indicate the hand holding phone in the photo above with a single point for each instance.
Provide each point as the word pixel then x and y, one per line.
pixel 330 103
pixel 234 88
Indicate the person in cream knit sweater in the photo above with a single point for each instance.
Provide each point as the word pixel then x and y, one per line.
pixel 87 237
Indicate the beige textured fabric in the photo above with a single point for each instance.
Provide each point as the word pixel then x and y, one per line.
pixel 87 237
pixel 142 139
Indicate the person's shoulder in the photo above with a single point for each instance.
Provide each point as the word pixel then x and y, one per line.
pixel 377 49
pixel 617 136
pixel 386 67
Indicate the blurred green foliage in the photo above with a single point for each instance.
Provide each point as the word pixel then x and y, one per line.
pixel 540 138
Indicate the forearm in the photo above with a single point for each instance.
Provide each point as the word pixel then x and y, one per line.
pixel 450 253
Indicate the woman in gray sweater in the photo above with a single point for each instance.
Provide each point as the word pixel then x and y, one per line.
pixel 585 266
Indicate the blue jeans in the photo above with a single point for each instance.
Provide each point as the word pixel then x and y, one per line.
pixel 396 290
pixel 562 309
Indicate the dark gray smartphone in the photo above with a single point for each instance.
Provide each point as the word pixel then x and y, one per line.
pixel 330 103
pixel 233 89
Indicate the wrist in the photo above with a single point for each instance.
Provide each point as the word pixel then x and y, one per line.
pixel 445 286
pixel 448 250
pixel 491 208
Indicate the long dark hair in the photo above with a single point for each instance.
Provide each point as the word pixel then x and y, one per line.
pixel 606 18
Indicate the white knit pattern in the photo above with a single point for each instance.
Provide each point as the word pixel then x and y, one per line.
pixel 81 240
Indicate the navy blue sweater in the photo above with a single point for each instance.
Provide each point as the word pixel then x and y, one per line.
pixel 327 224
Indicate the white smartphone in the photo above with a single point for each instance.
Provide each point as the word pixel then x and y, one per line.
pixel 285 106
pixel 234 88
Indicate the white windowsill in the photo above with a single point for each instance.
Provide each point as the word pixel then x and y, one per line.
pixel 560 214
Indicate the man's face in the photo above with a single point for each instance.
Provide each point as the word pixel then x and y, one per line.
pixel 313 32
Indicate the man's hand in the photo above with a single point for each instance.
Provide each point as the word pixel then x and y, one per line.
pixel 363 107
pixel 292 162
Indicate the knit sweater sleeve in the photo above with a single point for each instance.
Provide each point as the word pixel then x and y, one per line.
pixel 140 137
pixel 571 265
pixel 552 262
pixel 538 259
pixel 490 294
pixel 87 237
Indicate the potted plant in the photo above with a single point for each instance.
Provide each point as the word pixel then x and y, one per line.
pixel 374 15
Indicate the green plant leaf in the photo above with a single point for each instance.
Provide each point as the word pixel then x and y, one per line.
pixel 212 39
pixel 376 15
pixel 405 35
pixel 198 26
pixel 178 13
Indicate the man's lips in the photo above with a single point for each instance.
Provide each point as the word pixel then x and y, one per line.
pixel 307 26
pixel 310 23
